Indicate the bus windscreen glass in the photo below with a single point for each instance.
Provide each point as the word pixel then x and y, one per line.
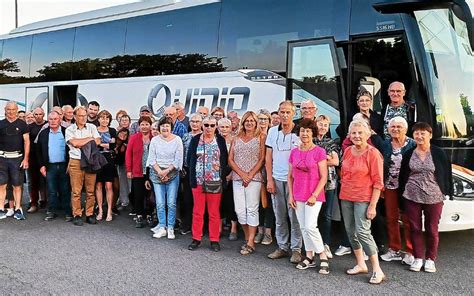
pixel 451 63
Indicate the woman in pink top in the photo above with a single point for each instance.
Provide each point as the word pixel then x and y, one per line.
pixel 361 184
pixel 307 177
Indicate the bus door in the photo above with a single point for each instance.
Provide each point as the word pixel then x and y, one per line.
pixel 314 73
pixel 377 61
pixel 65 95
pixel 37 97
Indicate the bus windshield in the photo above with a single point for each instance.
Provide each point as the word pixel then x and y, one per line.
pixel 451 64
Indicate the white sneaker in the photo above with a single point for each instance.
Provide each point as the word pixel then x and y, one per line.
pixel 171 233
pixel 341 251
pixel 430 266
pixel 160 233
pixel 408 259
pixel 155 229
pixel 10 213
pixel 391 255
pixel 417 264
pixel 327 250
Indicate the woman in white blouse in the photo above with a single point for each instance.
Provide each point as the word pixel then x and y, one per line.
pixel 165 160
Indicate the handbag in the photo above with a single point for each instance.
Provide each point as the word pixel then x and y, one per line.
pixel 209 186
pixel 171 175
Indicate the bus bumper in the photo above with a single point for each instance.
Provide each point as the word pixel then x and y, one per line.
pixel 457 215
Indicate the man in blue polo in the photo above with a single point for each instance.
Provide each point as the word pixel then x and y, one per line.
pixel 14 154
pixel 52 160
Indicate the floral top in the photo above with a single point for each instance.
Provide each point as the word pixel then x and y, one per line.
pixel 392 112
pixel 207 164
pixel 246 157
pixel 394 167
pixel 421 186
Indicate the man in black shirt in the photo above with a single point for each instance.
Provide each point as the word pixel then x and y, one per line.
pixel 14 155
pixel 92 112
pixel 36 182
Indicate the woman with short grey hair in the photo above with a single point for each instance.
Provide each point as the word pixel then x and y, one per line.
pixel 361 184
pixel 393 150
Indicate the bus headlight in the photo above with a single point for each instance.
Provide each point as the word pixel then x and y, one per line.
pixel 463 188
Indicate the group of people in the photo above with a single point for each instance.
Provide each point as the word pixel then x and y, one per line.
pixel 264 171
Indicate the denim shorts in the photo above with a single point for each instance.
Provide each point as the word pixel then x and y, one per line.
pixel 10 171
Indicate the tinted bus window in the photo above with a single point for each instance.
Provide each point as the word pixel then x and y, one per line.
pixel 94 48
pixel 51 55
pixel 365 19
pixel 174 42
pixel 16 60
pixel 255 33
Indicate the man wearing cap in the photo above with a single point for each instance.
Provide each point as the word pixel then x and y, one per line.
pixel 14 155
pixel 144 111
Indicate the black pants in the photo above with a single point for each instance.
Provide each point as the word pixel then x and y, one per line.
pixel 139 193
pixel 185 199
pixel 227 204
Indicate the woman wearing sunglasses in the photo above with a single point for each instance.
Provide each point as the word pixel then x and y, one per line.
pixel 207 160
pixel 307 177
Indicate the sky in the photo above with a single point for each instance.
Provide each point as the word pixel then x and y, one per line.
pixel 30 11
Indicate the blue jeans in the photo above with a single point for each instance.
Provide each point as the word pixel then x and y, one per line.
pixel 166 195
pixel 58 187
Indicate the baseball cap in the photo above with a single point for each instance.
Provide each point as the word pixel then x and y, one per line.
pixel 145 108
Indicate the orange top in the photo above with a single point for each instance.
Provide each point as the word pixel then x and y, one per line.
pixel 361 174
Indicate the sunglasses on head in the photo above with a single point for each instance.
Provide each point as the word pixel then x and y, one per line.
pixel 209 125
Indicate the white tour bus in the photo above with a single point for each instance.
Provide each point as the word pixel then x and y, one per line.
pixel 251 54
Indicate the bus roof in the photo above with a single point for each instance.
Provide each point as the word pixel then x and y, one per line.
pixel 104 15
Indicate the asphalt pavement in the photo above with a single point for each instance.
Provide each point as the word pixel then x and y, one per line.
pixel 115 258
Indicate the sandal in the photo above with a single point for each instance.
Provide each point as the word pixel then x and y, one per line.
pixel 99 217
pixel 324 266
pixel 247 251
pixel 109 218
pixel 305 264
pixel 377 278
pixel 357 270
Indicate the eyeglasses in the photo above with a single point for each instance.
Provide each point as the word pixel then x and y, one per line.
pixel 249 121
pixel 209 125
pixel 398 91
pixel 264 119
pixel 195 121
pixel 308 108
